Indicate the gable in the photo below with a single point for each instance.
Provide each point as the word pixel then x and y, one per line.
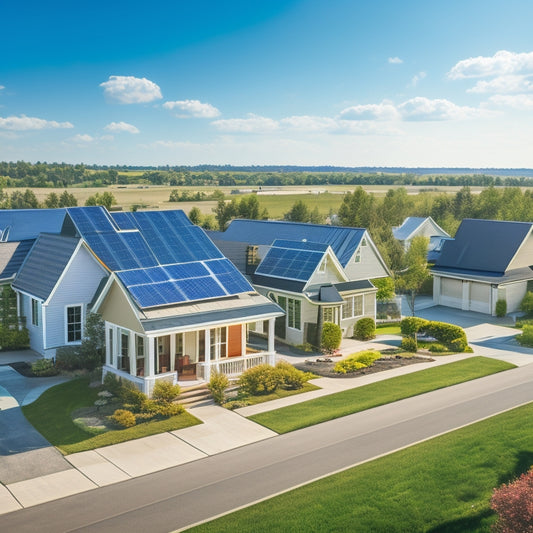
pixel 115 307
pixel 524 256
pixel 370 264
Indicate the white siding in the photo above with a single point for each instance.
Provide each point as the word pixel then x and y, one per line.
pixel 36 332
pixel 451 292
pixel 369 267
pixel 514 294
pixel 78 286
pixel 524 257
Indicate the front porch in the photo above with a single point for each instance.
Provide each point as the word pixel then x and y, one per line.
pixel 184 356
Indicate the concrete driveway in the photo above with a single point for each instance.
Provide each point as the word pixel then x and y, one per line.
pixel 24 452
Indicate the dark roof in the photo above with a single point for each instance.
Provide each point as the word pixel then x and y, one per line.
pixel 45 264
pixel 517 274
pixel 23 224
pixel 208 317
pixel 12 255
pixel 329 293
pixel 344 241
pixel 483 245
pixel 409 225
pixel 278 283
pixel 354 285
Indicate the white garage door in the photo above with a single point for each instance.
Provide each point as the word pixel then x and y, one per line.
pixel 480 298
pixel 451 292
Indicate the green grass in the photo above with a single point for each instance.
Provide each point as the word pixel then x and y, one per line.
pixel 442 485
pixel 50 414
pixel 351 401
pixel 276 395
pixel 389 329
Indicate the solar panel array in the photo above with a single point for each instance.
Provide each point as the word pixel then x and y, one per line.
pixel 291 260
pixel 160 257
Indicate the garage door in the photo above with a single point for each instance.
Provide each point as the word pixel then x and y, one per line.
pixel 451 292
pixel 480 298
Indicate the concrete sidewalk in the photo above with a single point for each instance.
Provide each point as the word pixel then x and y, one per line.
pixel 221 429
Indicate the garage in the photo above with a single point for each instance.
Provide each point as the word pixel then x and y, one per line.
pixel 479 297
pixel 451 292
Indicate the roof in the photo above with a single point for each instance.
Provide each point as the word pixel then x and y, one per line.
pixel 483 245
pixel 159 256
pixel 12 255
pixel 410 225
pixel 278 283
pixel 23 224
pixel 343 240
pixel 44 264
pixel 363 284
pixel 516 274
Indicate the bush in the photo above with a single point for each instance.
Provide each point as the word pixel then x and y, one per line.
pixel 452 336
pixel 290 378
pixel 123 418
pixel 527 303
pixel 331 337
pixel 347 366
pixel 217 385
pixel 365 329
pixel 409 344
pixel 236 404
pixel 13 338
pixel 411 325
pixel 512 502
pixel 165 392
pixel 112 384
pixel 132 398
pixel 261 379
pixel 436 347
pixel 501 308
pixel 164 409
pixel 367 357
pixel 526 339
pixel 70 358
pixel 44 367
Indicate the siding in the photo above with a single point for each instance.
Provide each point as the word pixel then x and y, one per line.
pixel 514 293
pixel 78 286
pixel 524 257
pixel 36 332
pixel 370 266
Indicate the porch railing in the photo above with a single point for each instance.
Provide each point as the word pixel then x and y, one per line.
pixel 233 366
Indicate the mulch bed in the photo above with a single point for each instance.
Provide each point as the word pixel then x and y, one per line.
pixel 23 369
pixel 324 368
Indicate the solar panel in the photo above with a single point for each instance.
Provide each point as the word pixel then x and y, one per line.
pixel 220 266
pixel 289 264
pixel 300 245
pixel 91 219
pixel 123 220
pixel 234 283
pixel 186 270
pixel 200 288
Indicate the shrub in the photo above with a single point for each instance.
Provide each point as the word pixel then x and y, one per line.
pixel 436 347
pixel 512 502
pixel 164 409
pixel 165 392
pixel 236 404
pixel 501 308
pixel 68 358
pixel 132 398
pixel 44 367
pixel 409 344
pixel 331 337
pixel 367 357
pixel 526 339
pixel 452 336
pixel 123 418
pixel 112 383
pixel 527 303
pixel 348 365
pixel 261 379
pixel 411 325
pixel 290 377
pixel 217 385
pixel 365 329
pixel 13 338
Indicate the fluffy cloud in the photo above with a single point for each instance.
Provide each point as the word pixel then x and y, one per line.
pixel 383 111
pixel 121 126
pixel 83 138
pixel 416 78
pixel 503 84
pixel 192 108
pixel 131 90
pixel 501 63
pixel 395 61
pixel 2 87
pixel 252 124
pixel 422 109
pixel 516 101
pixel 23 123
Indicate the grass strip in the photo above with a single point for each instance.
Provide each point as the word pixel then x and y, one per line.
pixel 389 329
pixel 51 416
pixel 352 401
pixel 442 485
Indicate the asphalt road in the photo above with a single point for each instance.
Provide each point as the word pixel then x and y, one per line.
pixel 184 495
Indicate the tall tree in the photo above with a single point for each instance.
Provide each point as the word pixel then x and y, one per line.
pixel 67 199
pixel 51 201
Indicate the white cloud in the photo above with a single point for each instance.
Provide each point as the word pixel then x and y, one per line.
pixel 503 84
pixel 416 78
pixel 121 126
pixel 424 109
pixel 193 108
pixel 252 124
pixel 383 111
pixel 131 90
pixel 83 138
pixel 501 63
pixel 2 87
pixel 516 101
pixel 24 123
pixel 310 123
pixel 395 61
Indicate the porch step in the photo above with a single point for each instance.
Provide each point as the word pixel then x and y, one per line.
pixel 193 395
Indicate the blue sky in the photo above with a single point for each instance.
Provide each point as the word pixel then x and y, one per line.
pixel 302 82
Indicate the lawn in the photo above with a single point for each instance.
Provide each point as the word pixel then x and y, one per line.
pixel 351 401
pixel 50 414
pixel 442 485
pixel 388 329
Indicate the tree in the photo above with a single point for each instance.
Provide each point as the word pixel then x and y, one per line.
pixel 67 200
pixel 416 270
pixel 513 503
pixel 300 212
pixel 224 212
pixel 106 199
pixel 385 287
pixel 195 216
pixel 51 201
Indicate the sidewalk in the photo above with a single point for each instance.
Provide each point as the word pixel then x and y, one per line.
pixel 221 429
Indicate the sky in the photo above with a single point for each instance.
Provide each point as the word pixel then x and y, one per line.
pixel 263 82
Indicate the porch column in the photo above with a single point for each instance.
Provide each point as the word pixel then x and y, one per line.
pixel 244 335
pixel 151 357
pixel 132 353
pixel 207 373
pixel 108 344
pixel 172 352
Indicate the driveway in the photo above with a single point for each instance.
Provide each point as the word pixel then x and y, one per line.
pixel 24 452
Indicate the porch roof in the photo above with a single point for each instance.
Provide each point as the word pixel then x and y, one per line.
pixel 261 311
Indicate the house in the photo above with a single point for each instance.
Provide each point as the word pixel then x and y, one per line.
pixel 315 273
pixel 487 261
pixel 421 227
pixel 174 307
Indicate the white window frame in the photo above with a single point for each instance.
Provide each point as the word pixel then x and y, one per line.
pixel 291 313
pixel 351 301
pixel 82 317
pixel 218 339
pixel 357 256
pixel 35 312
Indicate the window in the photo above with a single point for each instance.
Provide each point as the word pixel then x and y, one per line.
pixel 74 323
pixel 35 312
pixel 124 358
pixel 357 258
pixel 353 306
pixel 218 343
pixel 294 313
pixel 139 348
pixel 323 265
pixel 329 314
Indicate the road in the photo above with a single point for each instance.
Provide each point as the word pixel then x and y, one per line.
pixel 196 491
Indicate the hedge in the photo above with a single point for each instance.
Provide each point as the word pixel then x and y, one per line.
pixel 452 336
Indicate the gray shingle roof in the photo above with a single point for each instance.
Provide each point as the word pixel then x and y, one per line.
pixel 45 264
pixel 483 245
